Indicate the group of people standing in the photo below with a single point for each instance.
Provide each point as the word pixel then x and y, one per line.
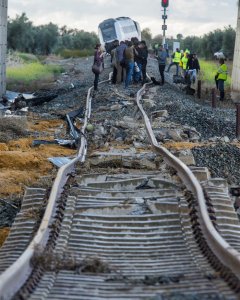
pixel 186 61
pixel 128 60
pixel 189 65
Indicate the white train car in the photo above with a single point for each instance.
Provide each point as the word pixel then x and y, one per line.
pixel 122 28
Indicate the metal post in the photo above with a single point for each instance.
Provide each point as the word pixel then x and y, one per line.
pixel 3 45
pixel 213 93
pixel 238 120
pixel 199 89
pixel 164 30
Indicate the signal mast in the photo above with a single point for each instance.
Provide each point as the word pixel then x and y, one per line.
pixel 165 4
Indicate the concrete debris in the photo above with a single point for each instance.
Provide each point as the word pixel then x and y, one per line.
pixel 159 114
pixel 186 157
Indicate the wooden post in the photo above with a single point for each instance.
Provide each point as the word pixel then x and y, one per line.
pixel 238 120
pixel 199 89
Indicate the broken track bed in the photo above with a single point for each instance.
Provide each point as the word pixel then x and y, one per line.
pixel 131 222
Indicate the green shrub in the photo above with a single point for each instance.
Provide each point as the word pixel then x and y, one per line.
pixel 27 57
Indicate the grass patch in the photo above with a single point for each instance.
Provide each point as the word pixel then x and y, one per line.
pixel 32 71
pixel 24 76
pixel 208 72
pixel 68 53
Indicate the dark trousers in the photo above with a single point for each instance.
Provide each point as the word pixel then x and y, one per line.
pixel 220 87
pixel 114 75
pixel 161 71
pixel 95 83
pixel 144 72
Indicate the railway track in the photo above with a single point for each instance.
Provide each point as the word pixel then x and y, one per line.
pixel 125 232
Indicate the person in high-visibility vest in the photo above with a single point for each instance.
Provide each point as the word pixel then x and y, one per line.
pixel 183 63
pixel 176 57
pixel 220 77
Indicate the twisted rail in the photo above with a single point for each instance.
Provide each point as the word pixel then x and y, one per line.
pixel 225 253
pixel 15 276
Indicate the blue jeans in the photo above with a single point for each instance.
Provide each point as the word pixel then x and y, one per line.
pixel 193 75
pixel 130 68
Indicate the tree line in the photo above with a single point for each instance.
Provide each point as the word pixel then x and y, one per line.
pixel 205 46
pixel 23 36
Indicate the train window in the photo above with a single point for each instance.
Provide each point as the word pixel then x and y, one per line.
pixel 109 33
pixel 130 28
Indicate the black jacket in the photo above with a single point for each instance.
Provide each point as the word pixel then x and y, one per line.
pixel 193 63
pixel 140 55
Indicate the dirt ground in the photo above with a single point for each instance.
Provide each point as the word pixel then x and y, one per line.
pixel 21 163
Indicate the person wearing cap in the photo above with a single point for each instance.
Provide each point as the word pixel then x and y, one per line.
pixel 220 77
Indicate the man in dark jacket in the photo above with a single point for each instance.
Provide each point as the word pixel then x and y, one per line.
pixel 144 54
pixel 162 59
pixel 121 68
pixel 193 67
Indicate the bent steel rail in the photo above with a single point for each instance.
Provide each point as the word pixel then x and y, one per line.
pixel 229 256
pixel 14 277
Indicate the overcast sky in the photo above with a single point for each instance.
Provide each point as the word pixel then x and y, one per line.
pixel 188 17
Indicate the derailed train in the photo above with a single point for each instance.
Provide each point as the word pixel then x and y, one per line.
pixel 122 28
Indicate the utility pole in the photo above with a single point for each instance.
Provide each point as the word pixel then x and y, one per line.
pixel 165 4
pixel 236 62
pixel 236 75
pixel 3 45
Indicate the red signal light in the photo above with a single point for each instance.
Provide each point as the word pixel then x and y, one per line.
pixel 165 3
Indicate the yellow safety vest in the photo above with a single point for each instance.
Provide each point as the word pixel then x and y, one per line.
pixel 184 62
pixel 177 57
pixel 222 72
